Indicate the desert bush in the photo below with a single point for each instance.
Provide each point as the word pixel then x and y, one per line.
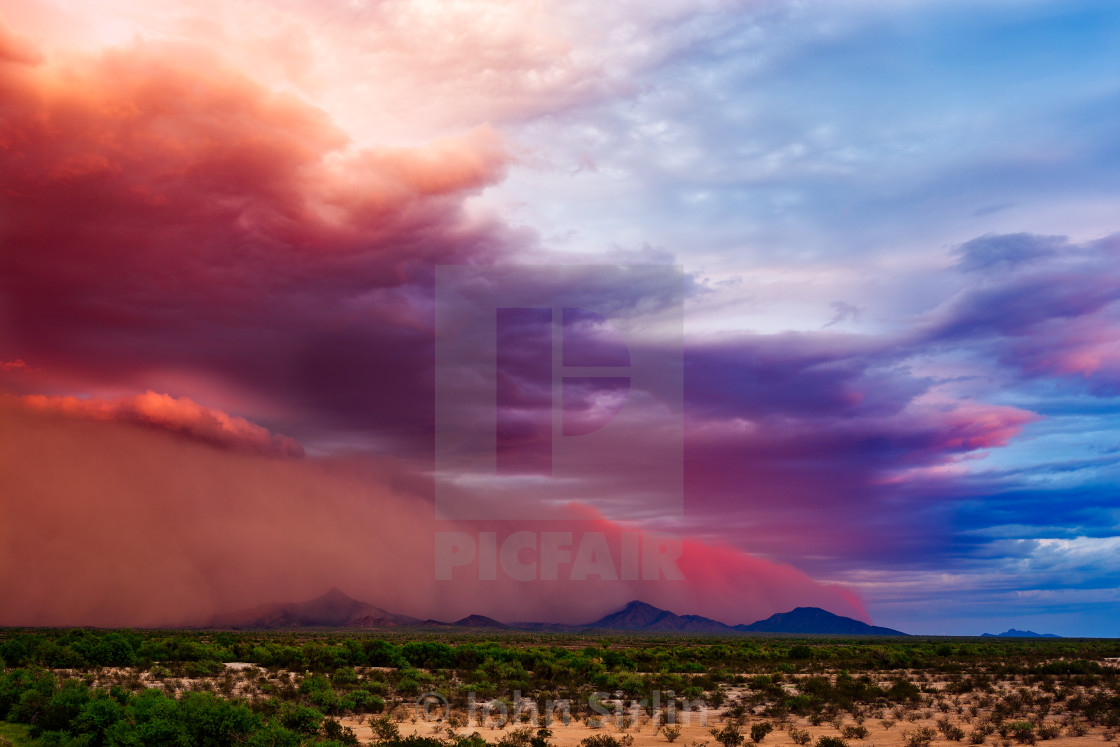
pixel 854 731
pixel 728 736
pixel 760 730
pixel 1049 731
pixel 831 742
pixel 737 711
pixel 474 739
pixel 919 737
pixel 671 732
pixel 301 718
pixel 976 736
pixel 602 740
pixel 1021 731
pixel 540 739
pixel 519 737
pixel 800 736
pixel 384 728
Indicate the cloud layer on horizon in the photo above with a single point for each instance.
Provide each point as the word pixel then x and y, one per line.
pixel 129 527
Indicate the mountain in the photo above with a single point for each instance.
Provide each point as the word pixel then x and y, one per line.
pixel 1012 633
pixel 480 621
pixel 641 616
pixel 634 616
pixel 814 621
pixel 335 609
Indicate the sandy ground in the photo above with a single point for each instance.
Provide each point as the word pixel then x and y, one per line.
pixel 696 731
pixel 886 731
pixel 572 735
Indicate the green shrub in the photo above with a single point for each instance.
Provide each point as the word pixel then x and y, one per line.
pixel 345 676
pixel 335 731
pixel 273 734
pixel 1049 731
pixel 62 708
pixel 760 730
pixel 600 740
pixel 728 736
pixel 1022 732
pixel 301 718
pixel 97 718
pixel 474 739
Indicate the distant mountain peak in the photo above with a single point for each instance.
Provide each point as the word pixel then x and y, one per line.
pixel 1013 633
pixel 814 621
pixel 634 616
pixel 638 607
pixel 333 609
pixel 480 621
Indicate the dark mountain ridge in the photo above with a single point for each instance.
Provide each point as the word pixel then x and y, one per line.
pixel 814 621
pixel 1013 633
pixel 641 616
pixel 335 609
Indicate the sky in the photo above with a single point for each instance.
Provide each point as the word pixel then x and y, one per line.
pixel 851 271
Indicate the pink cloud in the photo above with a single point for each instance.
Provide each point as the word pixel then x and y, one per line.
pixel 819 490
pixel 17 49
pixel 181 416
pixel 19 365
pixel 969 426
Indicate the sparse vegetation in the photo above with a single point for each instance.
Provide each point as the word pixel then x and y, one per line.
pixel 800 736
pixel 729 735
pixel 110 687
